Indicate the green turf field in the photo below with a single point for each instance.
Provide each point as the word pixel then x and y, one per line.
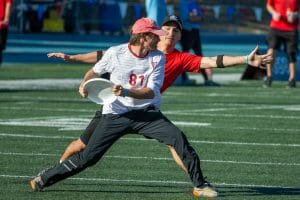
pixel 248 139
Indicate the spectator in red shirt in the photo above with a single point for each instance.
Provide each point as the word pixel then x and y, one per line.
pixel 283 29
pixel 5 10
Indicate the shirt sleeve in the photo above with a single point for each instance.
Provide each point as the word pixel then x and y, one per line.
pixel 190 62
pixel 156 79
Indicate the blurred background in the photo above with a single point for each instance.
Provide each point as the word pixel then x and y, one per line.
pixel 37 27
pixel 115 16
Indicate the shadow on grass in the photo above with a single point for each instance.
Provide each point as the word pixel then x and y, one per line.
pixel 226 191
pixel 126 188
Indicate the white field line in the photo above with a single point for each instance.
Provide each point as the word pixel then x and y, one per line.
pixel 155 181
pixel 144 139
pixel 157 158
pixel 197 112
pixel 191 113
pixel 51 109
pixel 69 123
pixel 79 122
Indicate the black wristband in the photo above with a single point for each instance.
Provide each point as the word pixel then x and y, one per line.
pixel 219 61
pixel 99 55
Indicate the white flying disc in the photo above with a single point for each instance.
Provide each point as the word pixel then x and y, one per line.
pixel 100 90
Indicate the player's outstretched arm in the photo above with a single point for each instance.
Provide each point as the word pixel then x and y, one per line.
pixel 91 57
pixel 221 61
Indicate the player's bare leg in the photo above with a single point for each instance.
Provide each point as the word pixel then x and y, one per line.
pixel 292 80
pixel 177 159
pixel 74 147
pixel 268 80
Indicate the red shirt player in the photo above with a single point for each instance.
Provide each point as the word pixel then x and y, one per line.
pixel 5 9
pixel 283 29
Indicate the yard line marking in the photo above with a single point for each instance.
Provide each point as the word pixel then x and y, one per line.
pixel 144 139
pixel 72 123
pixel 51 109
pixel 159 158
pixel 79 122
pixel 191 113
pixel 155 181
pixel 200 112
pixel 229 143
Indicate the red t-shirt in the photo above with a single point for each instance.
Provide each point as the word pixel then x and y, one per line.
pixel 3 4
pixel 281 7
pixel 178 62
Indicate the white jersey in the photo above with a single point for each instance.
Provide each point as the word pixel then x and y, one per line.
pixel 132 72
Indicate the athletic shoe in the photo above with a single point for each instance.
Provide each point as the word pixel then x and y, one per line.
pixel 206 190
pixel 292 83
pixel 36 184
pixel 267 82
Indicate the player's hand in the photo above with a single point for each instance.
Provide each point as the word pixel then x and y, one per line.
pixel 63 56
pixel 256 60
pixel 82 91
pixel 291 16
pixel 118 90
pixel 275 16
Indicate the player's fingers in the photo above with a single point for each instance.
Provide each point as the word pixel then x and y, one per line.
pixel 117 90
pixel 50 55
pixel 57 55
pixel 254 51
pixel 267 58
pixel 83 92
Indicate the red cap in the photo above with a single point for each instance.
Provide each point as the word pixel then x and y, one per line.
pixel 145 25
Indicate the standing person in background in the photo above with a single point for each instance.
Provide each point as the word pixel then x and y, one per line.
pixel 192 17
pixel 283 29
pixel 156 10
pixel 5 10
pixel 69 16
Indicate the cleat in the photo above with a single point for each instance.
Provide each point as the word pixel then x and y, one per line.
pixel 206 190
pixel 267 82
pixel 292 83
pixel 36 184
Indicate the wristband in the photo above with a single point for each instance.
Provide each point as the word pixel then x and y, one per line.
pixel 247 60
pixel 99 55
pixel 125 92
pixel 219 61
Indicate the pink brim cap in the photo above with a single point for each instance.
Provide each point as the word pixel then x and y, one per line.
pixel 159 32
pixel 145 25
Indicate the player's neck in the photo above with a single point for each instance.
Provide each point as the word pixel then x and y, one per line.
pixel 138 50
pixel 165 48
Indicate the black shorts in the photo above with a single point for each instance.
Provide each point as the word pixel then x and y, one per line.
pixel 288 38
pixel 86 135
pixel 148 122
pixel 3 38
pixel 190 39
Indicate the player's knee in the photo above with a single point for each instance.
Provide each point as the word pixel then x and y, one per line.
pixel 292 57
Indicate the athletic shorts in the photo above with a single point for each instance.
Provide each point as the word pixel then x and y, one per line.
pixel 3 38
pixel 288 38
pixel 86 135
